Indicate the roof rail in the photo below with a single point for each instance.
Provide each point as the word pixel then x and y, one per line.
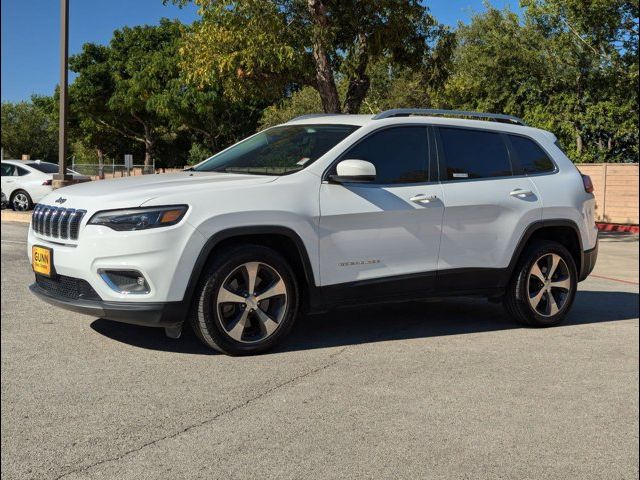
pixel 313 115
pixel 405 112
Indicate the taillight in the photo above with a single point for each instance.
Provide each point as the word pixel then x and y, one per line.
pixel 47 182
pixel 588 184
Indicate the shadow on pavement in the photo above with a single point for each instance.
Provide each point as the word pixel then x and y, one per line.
pixel 389 322
pixel 618 237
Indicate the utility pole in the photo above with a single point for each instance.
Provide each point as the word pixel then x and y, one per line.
pixel 62 178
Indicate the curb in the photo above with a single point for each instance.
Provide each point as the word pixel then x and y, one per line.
pixel 615 227
pixel 11 216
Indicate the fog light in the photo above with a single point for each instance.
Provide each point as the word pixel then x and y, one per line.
pixel 125 281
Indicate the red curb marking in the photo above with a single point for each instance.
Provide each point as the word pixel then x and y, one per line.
pixel 615 279
pixel 614 227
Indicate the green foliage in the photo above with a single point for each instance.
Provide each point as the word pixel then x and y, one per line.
pixel 262 48
pixel 562 67
pixel 29 128
pixel 132 95
pixel 391 86
pixel 176 94
pixel 198 153
pixel 306 100
pixel 397 87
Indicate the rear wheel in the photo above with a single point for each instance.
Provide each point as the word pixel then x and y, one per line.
pixel 246 302
pixel 21 201
pixel 543 286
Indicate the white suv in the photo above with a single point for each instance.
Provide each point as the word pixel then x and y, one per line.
pixel 321 212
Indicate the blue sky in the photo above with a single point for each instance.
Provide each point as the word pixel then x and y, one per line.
pixel 30 35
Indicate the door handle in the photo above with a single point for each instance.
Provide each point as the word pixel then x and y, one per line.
pixel 521 193
pixel 423 199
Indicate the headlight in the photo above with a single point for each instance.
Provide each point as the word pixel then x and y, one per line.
pixel 139 218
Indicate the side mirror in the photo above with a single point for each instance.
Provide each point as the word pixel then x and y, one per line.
pixel 354 171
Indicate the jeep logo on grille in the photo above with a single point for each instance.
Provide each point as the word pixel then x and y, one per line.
pixel 61 200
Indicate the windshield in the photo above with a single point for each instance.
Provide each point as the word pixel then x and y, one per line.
pixel 278 150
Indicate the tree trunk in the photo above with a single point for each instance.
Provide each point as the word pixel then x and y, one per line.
pixel 148 161
pixel 577 111
pixel 579 141
pixel 359 81
pixel 324 74
pixel 148 148
pixel 100 164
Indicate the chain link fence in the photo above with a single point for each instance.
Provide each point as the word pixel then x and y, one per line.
pixel 112 170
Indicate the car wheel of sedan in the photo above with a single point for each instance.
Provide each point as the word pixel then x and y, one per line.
pixel 21 201
pixel 246 302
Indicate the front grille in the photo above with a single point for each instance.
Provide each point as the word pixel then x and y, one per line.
pixel 57 222
pixel 67 287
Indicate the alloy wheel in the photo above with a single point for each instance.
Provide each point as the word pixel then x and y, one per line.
pixel 20 202
pixel 251 302
pixel 549 285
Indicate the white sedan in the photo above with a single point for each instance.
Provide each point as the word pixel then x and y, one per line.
pixel 25 182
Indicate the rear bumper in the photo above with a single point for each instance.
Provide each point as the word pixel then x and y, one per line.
pixel 152 314
pixel 589 258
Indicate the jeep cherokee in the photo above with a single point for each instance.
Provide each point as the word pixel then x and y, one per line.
pixel 321 212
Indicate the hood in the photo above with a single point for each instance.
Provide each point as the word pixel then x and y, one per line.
pixel 134 191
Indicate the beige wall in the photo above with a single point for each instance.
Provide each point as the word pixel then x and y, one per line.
pixel 616 191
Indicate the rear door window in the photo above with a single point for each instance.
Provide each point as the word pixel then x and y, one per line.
pixel 473 154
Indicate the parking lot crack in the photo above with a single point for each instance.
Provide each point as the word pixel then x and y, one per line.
pixel 332 360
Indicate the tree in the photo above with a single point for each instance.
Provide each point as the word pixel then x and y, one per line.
pixel 142 63
pixel 211 118
pixel 596 69
pixel 275 47
pixel 94 126
pixel 557 72
pixel 134 92
pixel 29 128
pixel 121 89
pixel 304 101
pixel 390 87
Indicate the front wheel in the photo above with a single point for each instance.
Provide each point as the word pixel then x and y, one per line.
pixel 246 302
pixel 543 286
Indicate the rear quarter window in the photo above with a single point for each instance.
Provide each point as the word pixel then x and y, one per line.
pixel 44 167
pixel 532 158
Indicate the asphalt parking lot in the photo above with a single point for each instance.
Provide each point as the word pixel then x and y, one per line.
pixel 423 390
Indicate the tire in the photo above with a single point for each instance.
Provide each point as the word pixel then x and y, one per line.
pixel 228 318
pixel 21 201
pixel 534 299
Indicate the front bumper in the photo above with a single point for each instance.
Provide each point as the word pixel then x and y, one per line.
pixel 153 314
pixel 164 257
